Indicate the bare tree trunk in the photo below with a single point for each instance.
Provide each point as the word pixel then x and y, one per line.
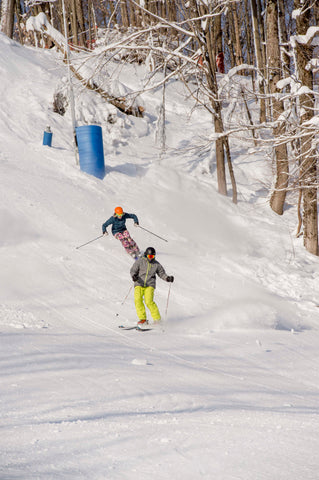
pixel 310 213
pixel 229 42
pixel 248 37
pixel 232 38
pixel 81 23
pixel 220 158
pixel 283 39
pixel 231 170
pixel 74 23
pixel 249 116
pixel 212 83
pixel 59 17
pixel 91 29
pixel 218 35
pixel 124 14
pixel 308 153
pixel 18 17
pixel 7 17
pixel 172 11
pixel 112 12
pixel 259 59
pixel 278 197
pixel 135 17
pixel 239 57
pixel 68 13
pixel 261 30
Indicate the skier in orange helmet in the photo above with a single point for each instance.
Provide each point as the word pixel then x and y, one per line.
pixel 120 232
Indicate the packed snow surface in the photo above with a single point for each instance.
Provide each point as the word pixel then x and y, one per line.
pixel 228 387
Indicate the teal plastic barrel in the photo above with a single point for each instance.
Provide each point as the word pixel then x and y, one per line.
pixel 90 146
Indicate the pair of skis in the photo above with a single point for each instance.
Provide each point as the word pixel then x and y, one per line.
pixel 139 328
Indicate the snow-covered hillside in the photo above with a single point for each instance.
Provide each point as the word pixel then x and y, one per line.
pixel 228 388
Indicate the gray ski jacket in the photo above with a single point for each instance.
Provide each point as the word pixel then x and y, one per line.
pixel 147 271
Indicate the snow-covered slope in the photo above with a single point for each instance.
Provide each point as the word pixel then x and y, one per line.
pixel 230 388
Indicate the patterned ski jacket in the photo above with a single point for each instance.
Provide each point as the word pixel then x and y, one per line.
pixel 118 224
pixel 147 271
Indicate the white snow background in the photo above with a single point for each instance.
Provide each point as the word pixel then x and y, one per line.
pixel 228 389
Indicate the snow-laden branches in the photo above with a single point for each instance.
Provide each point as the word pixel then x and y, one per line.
pixel 311 38
pixel 41 24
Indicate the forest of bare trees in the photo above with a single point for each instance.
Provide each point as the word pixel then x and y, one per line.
pixel 272 44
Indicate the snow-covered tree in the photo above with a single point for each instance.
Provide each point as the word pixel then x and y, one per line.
pixel 303 42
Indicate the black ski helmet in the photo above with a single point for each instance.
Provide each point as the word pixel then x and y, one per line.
pixel 149 251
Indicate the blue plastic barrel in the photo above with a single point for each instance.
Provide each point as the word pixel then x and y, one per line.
pixel 90 145
pixel 47 138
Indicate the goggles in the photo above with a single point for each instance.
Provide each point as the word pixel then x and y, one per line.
pixel 119 215
pixel 150 257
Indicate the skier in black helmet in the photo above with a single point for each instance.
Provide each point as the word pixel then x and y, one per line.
pixel 143 273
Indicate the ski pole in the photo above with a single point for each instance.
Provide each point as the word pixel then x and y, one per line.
pixel 123 301
pixel 152 233
pixel 169 292
pixel 90 241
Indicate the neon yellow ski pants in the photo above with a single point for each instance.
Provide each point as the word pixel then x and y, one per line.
pixel 148 294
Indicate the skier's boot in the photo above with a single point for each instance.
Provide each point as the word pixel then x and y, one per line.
pixel 142 322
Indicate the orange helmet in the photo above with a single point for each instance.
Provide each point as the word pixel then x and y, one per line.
pixel 118 210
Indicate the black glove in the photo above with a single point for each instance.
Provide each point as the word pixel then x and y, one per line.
pixel 135 277
pixel 170 279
